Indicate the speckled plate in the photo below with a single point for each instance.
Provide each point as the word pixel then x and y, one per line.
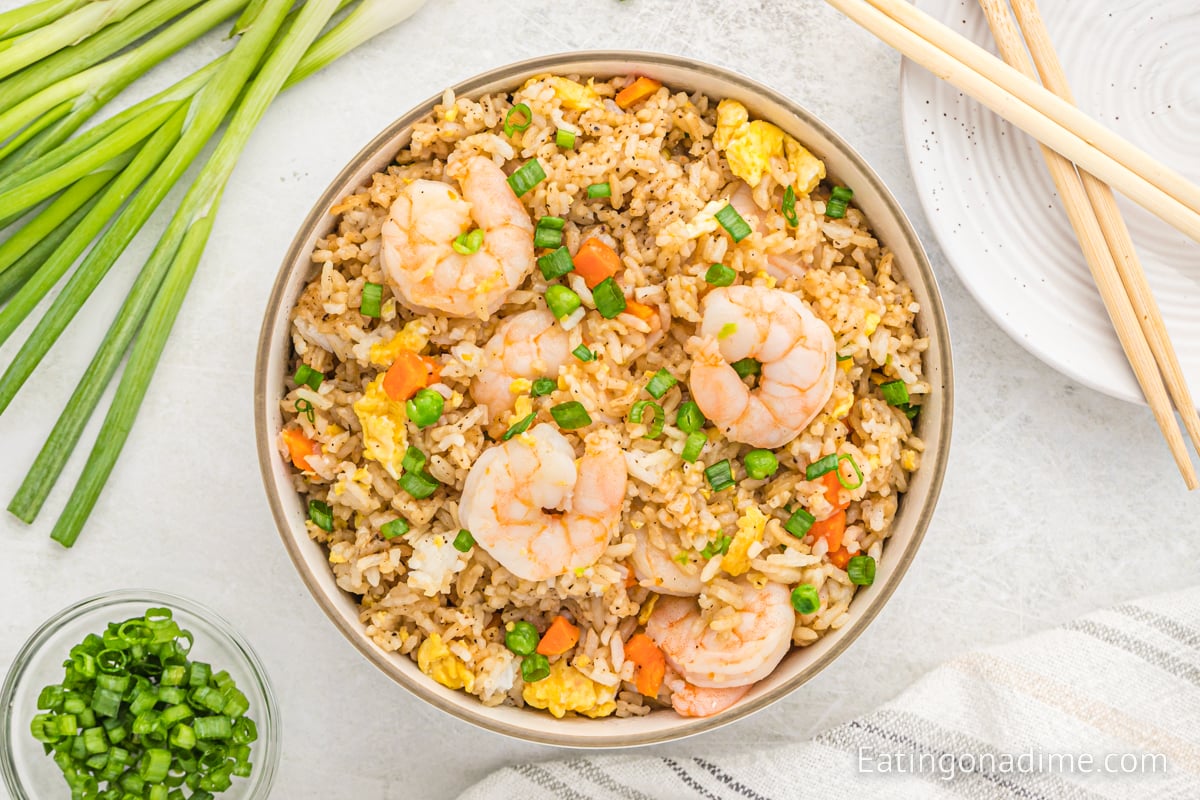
pixel 984 186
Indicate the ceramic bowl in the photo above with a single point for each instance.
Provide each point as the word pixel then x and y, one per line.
pixel 916 506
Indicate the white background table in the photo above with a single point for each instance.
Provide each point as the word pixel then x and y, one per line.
pixel 1057 500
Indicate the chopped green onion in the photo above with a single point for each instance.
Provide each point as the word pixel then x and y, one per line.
pixel 528 176
pixel 552 223
pixel 805 599
pixel 583 353
pixel 845 484
pixel 720 545
pixel 692 446
pixel 746 367
pixel 307 376
pixel 116 727
pixel 464 541
pixel 425 407
pixel 519 109
pixel 911 411
pixel 760 464
pixel 468 243
pixel 720 275
pixel 610 300
pixel 894 392
pixel 518 428
pixel 820 467
pixel 543 386
pixel 562 301
pixel 534 667
pixel 637 415
pixel 372 295
pixel 835 209
pixel 727 330
pixel 799 523
pixel 556 264
pixel 719 475
pixel 599 190
pixel 842 194
pixel 844 357
pixel 397 527
pixel 733 223
pixel 306 408
pixel 522 638
pixel 418 484
pixel 414 460
pixel 689 418
pixel 861 570
pixel 547 238
pixel 789 207
pixel 321 515
pixel 660 383
pixel 565 139
pixel 570 415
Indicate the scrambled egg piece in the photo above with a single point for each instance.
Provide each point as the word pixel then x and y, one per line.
pixel 908 459
pixel 843 407
pixel 647 609
pixel 750 146
pixel 574 96
pixel 413 336
pixel 382 420
pixel 808 169
pixel 436 661
pixel 750 530
pixel 520 386
pixel 568 689
pixel 872 323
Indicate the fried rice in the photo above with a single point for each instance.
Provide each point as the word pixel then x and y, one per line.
pixel 669 161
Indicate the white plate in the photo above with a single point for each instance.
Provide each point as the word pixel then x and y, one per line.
pixel 1135 67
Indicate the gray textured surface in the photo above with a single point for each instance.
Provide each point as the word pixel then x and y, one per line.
pixel 1058 500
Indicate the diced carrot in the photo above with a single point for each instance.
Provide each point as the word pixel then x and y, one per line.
pixel 650 664
pixel 830 529
pixel 596 261
pixel 631 578
pixel 299 446
pixel 640 310
pixel 408 373
pixel 560 637
pixel 833 491
pixel 640 89
pixel 435 369
pixel 840 557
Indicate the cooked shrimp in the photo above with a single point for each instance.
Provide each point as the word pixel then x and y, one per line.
pixel 535 511
pixel 659 572
pixel 795 349
pixel 779 265
pixel 529 345
pixel 694 701
pixel 418 237
pixel 758 641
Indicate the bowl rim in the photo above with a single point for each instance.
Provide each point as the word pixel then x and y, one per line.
pixel 267 720
pixel 935 317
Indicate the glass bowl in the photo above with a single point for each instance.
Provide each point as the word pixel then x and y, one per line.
pixel 29 774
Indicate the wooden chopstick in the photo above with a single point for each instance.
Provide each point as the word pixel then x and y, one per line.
pixel 1099 257
pixel 1120 244
pixel 1032 108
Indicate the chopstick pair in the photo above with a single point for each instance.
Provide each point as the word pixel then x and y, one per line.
pixel 1067 135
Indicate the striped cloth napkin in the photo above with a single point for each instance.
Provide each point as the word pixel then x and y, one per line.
pixel 1105 707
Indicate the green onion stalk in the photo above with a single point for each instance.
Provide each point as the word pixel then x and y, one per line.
pixel 90 18
pixel 35 15
pixel 44 120
pixel 156 297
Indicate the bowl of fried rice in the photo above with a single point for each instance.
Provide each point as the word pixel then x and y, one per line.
pixel 604 398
